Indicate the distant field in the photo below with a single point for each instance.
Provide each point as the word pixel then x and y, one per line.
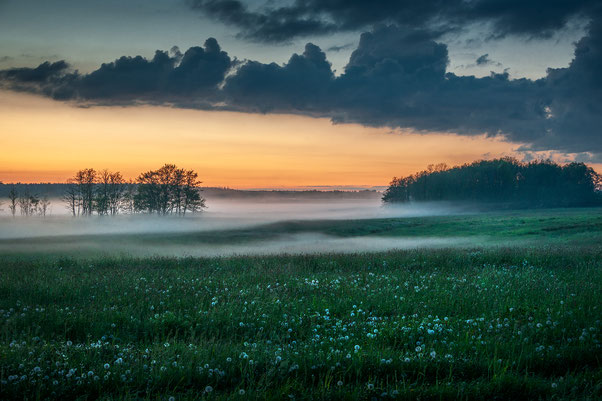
pixel 512 313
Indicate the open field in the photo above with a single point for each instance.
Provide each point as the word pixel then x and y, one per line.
pixel 511 313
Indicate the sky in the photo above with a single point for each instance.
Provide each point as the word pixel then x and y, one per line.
pixel 297 93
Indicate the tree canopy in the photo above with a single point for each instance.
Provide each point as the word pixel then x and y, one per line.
pixel 167 190
pixel 541 183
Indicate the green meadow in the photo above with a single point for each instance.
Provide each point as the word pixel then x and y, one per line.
pixel 512 312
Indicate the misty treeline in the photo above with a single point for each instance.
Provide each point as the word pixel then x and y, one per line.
pixel 26 203
pixel 165 191
pixel 540 183
pixel 168 190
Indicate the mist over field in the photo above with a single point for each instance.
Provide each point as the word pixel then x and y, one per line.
pixel 220 214
pixel 144 235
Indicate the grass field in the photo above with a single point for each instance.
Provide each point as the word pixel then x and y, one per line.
pixel 517 316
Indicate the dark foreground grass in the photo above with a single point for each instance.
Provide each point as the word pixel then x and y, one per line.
pixel 451 324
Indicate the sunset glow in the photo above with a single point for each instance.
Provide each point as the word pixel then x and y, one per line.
pixel 47 141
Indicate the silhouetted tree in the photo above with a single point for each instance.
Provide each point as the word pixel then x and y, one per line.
pixel 128 195
pixel 81 195
pixel 193 201
pixel 101 192
pixel 72 198
pixel 168 190
pixel 44 206
pixel 28 204
pixel 116 194
pixel 90 191
pixel 13 197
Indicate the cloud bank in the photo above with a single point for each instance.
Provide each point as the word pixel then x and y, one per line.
pixel 301 18
pixel 397 77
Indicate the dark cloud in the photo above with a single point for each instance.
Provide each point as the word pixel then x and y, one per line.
pixel 533 18
pixel 274 25
pixel 192 76
pixel 575 95
pixel 483 60
pixel 301 85
pixel 43 73
pixel 538 18
pixel 395 78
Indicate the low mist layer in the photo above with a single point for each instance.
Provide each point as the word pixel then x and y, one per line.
pixel 228 227
pixel 221 214
pixel 298 228
pixel 306 243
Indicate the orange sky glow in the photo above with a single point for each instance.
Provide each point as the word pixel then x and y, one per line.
pixel 47 141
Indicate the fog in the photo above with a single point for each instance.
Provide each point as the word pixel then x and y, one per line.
pixel 220 215
pixel 58 231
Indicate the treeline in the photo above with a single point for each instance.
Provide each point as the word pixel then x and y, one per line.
pixel 168 190
pixel 165 191
pixel 502 181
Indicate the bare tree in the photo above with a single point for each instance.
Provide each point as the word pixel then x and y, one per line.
pixel 103 192
pixel 44 206
pixel 13 197
pixel 72 198
pixel 101 195
pixel 24 205
pixel 116 192
pixel 110 190
pixel 28 204
pixel 85 180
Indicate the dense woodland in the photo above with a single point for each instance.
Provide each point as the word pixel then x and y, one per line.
pixel 502 181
